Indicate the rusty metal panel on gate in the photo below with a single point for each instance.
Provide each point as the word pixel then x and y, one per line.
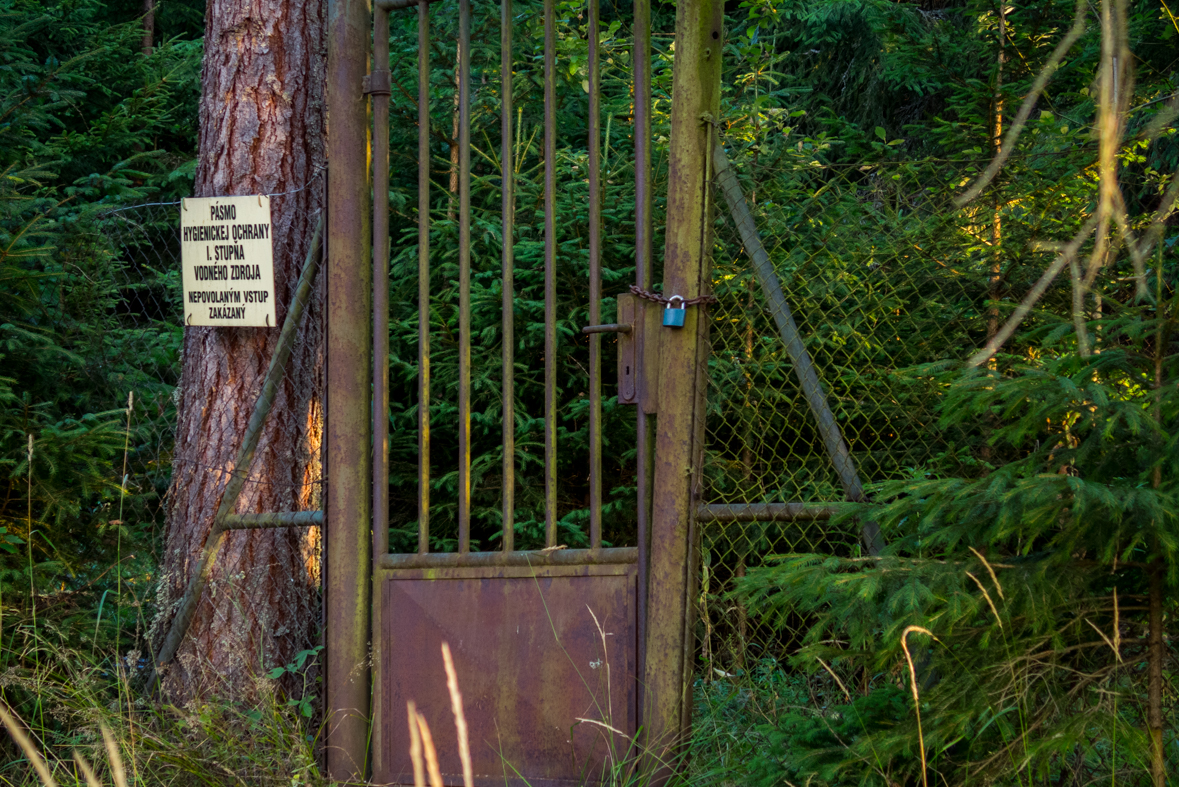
pixel 531 662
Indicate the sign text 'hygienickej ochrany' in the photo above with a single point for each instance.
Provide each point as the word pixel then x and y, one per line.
pixel 227 255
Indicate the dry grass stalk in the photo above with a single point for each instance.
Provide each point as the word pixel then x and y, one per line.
pixel 26 745
pixel 1109 223
pixel 1029 103
pixel 87 772
pixel 916 694
pixel 990 570
pixel 603 725
pixel 1117 626
pixel 116 759
pixel 987 596
pixel 606 662
pixel 831 672
pixel 1104 638
pixel 415 746
pixel 460 720
pixel 1067 253
pixel 431 753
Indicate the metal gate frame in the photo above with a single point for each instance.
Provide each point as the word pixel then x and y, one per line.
pixel 670 443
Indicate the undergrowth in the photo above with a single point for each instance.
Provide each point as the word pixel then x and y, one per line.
pixel 64 693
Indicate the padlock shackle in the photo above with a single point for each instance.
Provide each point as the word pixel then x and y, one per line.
pixel 675 298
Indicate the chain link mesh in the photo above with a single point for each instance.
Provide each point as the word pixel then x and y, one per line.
pixel 888 281
pixel 864 270
pixel 181 477
pixel 142 350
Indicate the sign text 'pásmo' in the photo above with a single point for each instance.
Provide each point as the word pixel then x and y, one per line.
pixel 227 251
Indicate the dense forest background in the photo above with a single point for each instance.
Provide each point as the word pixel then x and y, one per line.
pixel 1029 505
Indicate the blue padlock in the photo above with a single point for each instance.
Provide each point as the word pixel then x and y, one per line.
pixel 673 316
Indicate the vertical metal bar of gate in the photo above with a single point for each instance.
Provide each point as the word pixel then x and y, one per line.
pixel 550 275
pixel 423 277
pixel 595 282
pixel 507 231
pixel 378 89
pixel 641 58
pixel 464 438
pixel 348 410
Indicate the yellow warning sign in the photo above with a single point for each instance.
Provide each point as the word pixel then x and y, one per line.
pixel 227 259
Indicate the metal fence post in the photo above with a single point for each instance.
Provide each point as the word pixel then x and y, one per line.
pixel 348 426
pixel 695 101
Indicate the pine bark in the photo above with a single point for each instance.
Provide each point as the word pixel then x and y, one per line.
pixel 149 27
pixel 261 132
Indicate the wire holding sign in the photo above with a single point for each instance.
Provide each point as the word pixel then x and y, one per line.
pixel 227 256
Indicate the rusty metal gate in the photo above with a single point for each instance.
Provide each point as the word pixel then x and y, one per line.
pixel 541 638
pixel 546 637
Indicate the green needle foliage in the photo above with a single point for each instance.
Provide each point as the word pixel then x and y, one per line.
pixel 572 275
pixel 87 123
pixel 1030 573
pixel 1026 504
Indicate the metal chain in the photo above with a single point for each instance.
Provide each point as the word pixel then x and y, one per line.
pixel 656 297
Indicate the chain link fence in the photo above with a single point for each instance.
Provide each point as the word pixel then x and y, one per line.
pixel 890 284
pixel 887 281
pixel 882 276
pixel 142 350
pixel 243 435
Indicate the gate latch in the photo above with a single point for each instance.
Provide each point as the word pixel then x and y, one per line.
pixel 638 365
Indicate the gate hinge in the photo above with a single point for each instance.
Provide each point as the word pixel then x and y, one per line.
pixel 378 83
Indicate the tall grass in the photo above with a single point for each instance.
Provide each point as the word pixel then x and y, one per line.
pixel 71 697
pixel 77 711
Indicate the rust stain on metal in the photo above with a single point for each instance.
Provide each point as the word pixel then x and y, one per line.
pixel 348 425
pixel 531 661
pixel 644 430
pixel 696 94
pixel 648 320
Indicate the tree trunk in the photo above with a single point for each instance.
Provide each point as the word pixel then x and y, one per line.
pixel 453 185
pixel 995 284
pixel 1155 656
pixel 149 27
pixel 261 132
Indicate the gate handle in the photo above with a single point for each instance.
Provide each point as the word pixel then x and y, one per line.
pixel 610 327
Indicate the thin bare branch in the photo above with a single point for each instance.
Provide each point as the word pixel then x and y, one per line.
pixel 1065 256
pixel 1029 103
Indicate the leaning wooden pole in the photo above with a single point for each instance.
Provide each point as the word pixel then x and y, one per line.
pixel 695 101
pixel 804 367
